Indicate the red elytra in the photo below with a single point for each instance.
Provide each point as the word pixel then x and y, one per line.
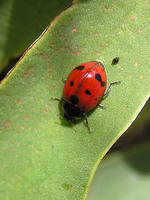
pixel 85 86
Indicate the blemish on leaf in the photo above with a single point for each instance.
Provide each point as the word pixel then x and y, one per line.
pixel 136 64
pixel 11 149
pixel 132 18
pixel 49 68
pixel 106 101
pixel 22 127
pixel 123 25
pixel 76 46
pixel 126 108
pixel 79 52
pixel 69 49
pixel 66 186
pixel 47 59
pixel 8 123
pixel 31 67
pixel 141 77
pixel 52 87
pixel 27 118
pixel 71 20
pixel 20 101
pixel 40 55
pixel 98 53
pixel 106 8
pixel 7 95
pixel 26 75
pixel 139 30
pixel 74 30
pixel 52 44
pixel 45 111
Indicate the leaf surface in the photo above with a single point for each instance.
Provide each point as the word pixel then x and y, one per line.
pixel 42 156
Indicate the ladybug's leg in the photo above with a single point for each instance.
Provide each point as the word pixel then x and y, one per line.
pixel 56 99
pixel 85 116
pixel 101 106
pixel 109 88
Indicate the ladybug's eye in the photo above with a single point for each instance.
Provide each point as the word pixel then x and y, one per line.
pixel 71 83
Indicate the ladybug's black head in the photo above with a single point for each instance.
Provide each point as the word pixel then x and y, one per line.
pixel 70 111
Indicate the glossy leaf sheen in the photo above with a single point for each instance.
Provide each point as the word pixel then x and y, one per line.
pixel 42 156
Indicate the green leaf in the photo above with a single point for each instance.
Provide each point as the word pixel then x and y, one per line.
pixel 42 156
pixel 21 22
pixel 123 175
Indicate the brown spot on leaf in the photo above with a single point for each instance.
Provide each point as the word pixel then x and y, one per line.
pixel 74 30
pixel 123 25
pixel 106 101
pixel 40 55
pixel 20 101
pixel 126 108
pixel 8 123
pixel 71 20
pixel 79 52
pixel 49 68
pixel 98 53
pixel 27 117
pixel 136 64
pixel 26 75
pixel 11 149
pixel 69 187
pixel 141 77
pixel 132 18
pixel 52 87
pixel 106 8
pixel 139 30
pixel 45 111
pixel 52 44
pixel 47 59
pixel 22 127
pixel 31 67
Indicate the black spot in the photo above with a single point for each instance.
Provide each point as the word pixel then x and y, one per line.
pixel 74 99
pixel 80 67
pixel 71 83
pixel 96 99
pixel 98 78
pixel 87 92
pixel 115 60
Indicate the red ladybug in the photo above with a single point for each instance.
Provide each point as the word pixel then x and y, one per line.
pixel 83 90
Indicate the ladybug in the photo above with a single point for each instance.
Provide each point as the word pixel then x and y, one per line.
pixel 83 90
pixel 115 60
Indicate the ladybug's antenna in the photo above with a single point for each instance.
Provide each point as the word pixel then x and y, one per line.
pixel 85 116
